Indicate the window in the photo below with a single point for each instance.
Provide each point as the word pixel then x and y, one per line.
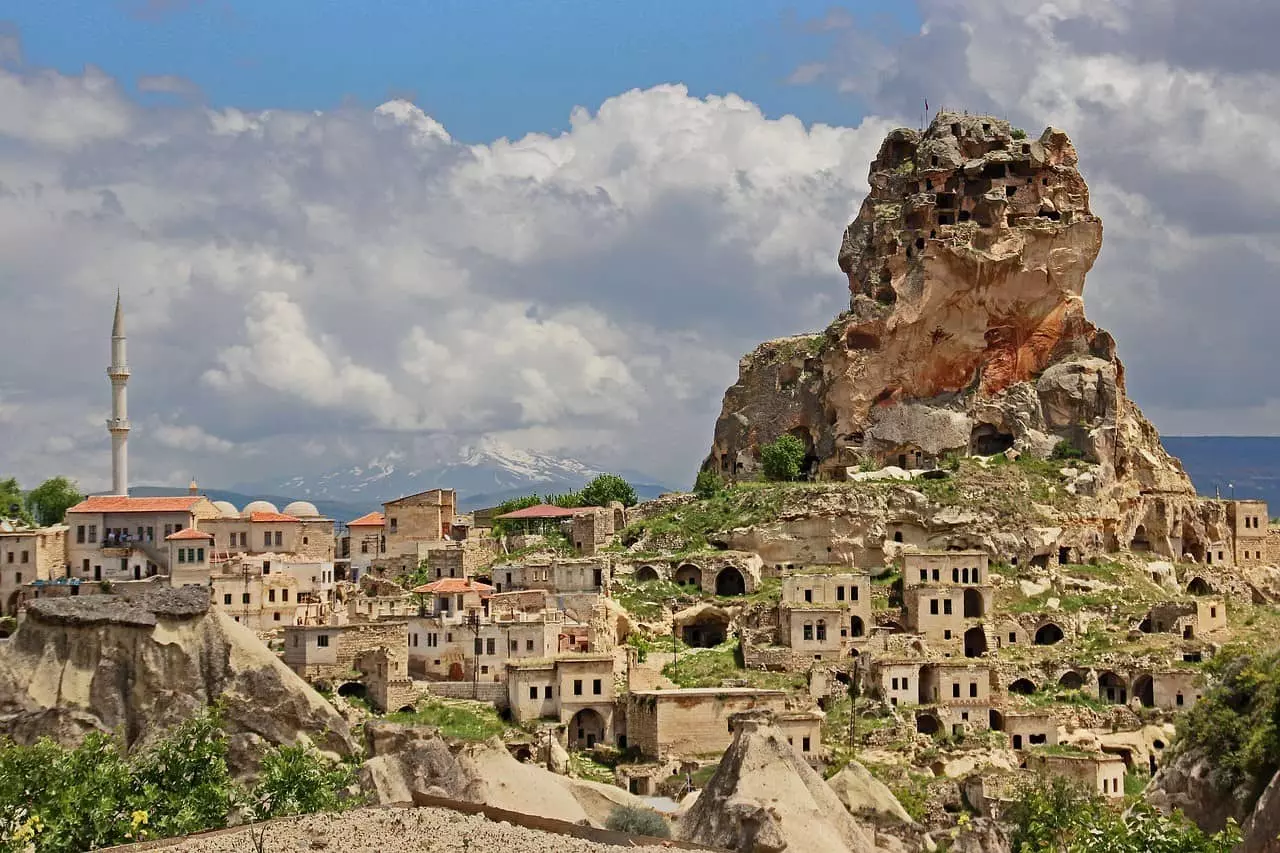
pixel 1213 611
pixel 275 617
pixel 822 630
pixel 226 599
pixel 17 577
pixel 1013 637
pixel 489 646
pixel 906 684
pixel 546 692
pixel 479 645
pixel 924 575
pixel 808 596
pixel 946 635
pixel 528 645
pixel 533 692
pixel 840 593
pixel 1178 699
pixel 853 593
pixel 597 687
pixel 279 538
pixel 936 574
pixel 804 744
pixel 946 606
pixel 266 539
pixel 284 595
pixel 322 640
pixel 973 690
pixel 392 520
pixel 80 533
pixel 808 632
pixel 182 555
pixel 271 595
pixel 93 533
pixel 933 607
pixel 199 555
pixel 955 575
pixel 895 684
pixel 244 598
pixel 364 547
pixel 484 670
pixel 305 540
pixel 955 690
pixel 515 645
pixel 577 687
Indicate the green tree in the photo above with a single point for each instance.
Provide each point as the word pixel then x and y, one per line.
pixel 298 780
pixel 707 485
pixel 12 503
pixel 782 458
pixel 607 488
pixel 50 501
pixel 183 783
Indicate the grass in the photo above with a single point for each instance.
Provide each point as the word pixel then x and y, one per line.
pixel 469 721
pixel 585 767
pixel 686 528
pixel 719 667
pixel 646 599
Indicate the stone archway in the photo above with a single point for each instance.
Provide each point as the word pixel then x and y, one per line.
pixel 1199 586
pixel 856 627
pixel 1071 680
pixel 353 689
pixel 586 729
pixel 995 720
pixel 1111 688
pixel 708 629
pixel 689 575
pixel 974 607
pixel 1144 689
pixel 645 574
pixel 1022 686
pixel 1048 634
pixel 975 642
pixel 730 582
pixel 928 724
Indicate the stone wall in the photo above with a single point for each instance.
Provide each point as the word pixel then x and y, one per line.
pixel 691 722
pixel 336 658
pixel 485 691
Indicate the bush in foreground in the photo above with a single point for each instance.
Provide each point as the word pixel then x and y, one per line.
pixel 638 821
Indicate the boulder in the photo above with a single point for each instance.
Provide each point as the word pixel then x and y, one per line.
pixel 866 796
pixel 140 664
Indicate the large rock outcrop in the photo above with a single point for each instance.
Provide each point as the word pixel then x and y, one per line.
pixel 965 332
pixel 763 797
pixel 136 666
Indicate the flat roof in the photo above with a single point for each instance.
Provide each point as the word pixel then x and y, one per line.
pixel 968 552
pixel 676 693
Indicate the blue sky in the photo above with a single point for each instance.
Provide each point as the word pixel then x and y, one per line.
pixel 484 69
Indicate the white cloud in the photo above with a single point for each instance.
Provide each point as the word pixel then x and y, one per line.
pixel 190 438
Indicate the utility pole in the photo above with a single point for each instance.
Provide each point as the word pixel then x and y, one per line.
pixel 855 689
pixel 675 653
pixel 473 623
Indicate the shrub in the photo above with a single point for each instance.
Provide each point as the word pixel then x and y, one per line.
pixel 1065 450
pixel 638 821
pixel 707 485
pixel 298 780
pixel 1018 133
pixel 782 458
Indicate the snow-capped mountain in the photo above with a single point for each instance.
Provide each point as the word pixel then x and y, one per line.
pixel 483 474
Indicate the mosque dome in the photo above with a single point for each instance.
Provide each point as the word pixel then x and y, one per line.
pixel 226 509
pixel 302 509
pixel 258 506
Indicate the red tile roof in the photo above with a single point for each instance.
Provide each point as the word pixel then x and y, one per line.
pixel 277 517
pixel 189 533
pixel 116 503
pixel 373 519
pixel 453 586
pixel 539 511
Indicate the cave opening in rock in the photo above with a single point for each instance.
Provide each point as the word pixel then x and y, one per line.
pixel 946 219
pixel 730 582
pixel 1046 213
pixel 965 216
pixel 1071 680
pixel 1111 689
pixel 1048 634
pixel 928 724
pixel 1144 689
pixel 645 574
pixel 1022 686
pixel 1199 586
pixel 860 340
pixel 708 630
pixel 975 642
pixel 988 440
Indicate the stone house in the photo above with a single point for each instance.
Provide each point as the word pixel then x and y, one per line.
pixel 840 599
pixel 959 695
pixel 694 721
pixel 592 528
pixel 328 653
pixel 555 576
pixel 1028 728
pixel 365 540
pixel 577 690
pixel 1100 773
pixel 1249 526
pixel 1175 689
pixel 28 554
pixel 384 674
pixel 946 597
pixel 723 573
pixel 424 517
pixel 1188 619
pixel 446 647
pixel 122 538
pixel 189 554
pixel 260 529
pixel 894 680
pixel 265 592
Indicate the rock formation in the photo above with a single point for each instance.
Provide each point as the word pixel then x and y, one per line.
pixel 763 797
pixel 139 665
pixel 965 334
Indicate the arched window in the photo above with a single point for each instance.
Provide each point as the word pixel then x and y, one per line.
pixel 822 630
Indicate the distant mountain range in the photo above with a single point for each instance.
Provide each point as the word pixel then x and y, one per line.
pixel 1216 463
pixel 484 474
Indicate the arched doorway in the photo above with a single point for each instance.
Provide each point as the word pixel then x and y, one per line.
pixel 856 627
pixel 1144 689
pixel 689 575
pixel 353 689
pixel 406 709
pixel 645 574
pixel 897 536
pixel 1048 634
pixel 707 630
pixel 1199 586
pixel 730 582
pixel 1022 686
pixel 973 604
pixel 586 729
pixel 987 440
pixel 996 720
pixel 524 755
pixel 1111 688
pixel 975 642
pixel 1140 541
pixel 928 724
pixel 455 671
pixel 1071 680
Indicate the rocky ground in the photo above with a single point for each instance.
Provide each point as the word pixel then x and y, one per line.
pixel 385 830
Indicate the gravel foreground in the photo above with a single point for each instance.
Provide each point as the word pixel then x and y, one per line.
pixel 391 830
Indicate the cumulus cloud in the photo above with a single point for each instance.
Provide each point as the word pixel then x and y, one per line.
pixel 312 290
pixel 168 84
pixel 1173 106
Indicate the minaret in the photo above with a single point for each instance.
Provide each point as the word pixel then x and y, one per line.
pixel 118 425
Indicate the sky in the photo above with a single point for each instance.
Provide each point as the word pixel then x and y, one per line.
pixel 343 230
